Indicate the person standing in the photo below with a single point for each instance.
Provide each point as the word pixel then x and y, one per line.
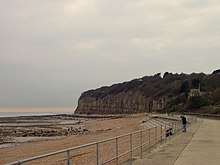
pixel 184 122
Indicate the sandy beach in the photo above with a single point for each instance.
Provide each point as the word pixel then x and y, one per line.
pixel 29 136
pixel 44 134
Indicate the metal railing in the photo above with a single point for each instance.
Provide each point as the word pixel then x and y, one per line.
pixel 113 150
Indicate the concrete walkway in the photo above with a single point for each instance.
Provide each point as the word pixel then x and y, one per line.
pixel 200 145
pixel 204 148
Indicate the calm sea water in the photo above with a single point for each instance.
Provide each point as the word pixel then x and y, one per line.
pixel 11 112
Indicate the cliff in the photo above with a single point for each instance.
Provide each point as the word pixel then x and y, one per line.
pixel 149 94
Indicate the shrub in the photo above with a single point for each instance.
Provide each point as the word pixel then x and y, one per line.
pixel 198 102
pixel 216 96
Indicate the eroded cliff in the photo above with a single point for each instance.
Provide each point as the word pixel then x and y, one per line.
pixel 147 94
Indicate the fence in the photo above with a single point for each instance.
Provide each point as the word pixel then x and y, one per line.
pixel 110 151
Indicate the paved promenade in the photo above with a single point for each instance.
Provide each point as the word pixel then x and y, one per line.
pixel 200 145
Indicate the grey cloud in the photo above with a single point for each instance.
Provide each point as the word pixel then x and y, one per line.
pixel 51 51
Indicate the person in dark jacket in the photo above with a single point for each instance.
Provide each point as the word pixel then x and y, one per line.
pixel 184 122
pixel 169 132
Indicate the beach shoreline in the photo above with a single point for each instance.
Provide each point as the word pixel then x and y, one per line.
pixel 19 129
pixel 15 130
pixel 46 134
pixel 51 133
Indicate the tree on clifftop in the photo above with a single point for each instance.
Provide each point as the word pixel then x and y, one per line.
pixel 195 83
pixel 216 71
pixel 185 87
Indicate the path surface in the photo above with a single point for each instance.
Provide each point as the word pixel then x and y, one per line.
pixel 204 148
pixel 200 145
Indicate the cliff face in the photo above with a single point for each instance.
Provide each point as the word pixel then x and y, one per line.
pixel 120 103
pixel 160 103
pixel 135 96
pixel 146 94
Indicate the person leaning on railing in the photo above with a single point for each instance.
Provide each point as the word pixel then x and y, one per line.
pixel 184 122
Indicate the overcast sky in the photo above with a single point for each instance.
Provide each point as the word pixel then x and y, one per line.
pixel 53 50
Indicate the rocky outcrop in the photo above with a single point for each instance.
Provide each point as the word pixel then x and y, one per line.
pixel 21 132
pixel 146 94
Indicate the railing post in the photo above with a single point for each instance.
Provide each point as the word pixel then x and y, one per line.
pixel 161 134
pixel 68 157
pixel 130 148
pixel 169 130
pixel 116 141
pixel 179 126
pixel 141 146
pixel 149 138
pixel 165 130
pixel 194 119
pixel 174 128
pixel 155 138
pixel 97 153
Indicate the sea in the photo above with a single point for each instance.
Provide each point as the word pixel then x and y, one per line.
pixel 30 111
